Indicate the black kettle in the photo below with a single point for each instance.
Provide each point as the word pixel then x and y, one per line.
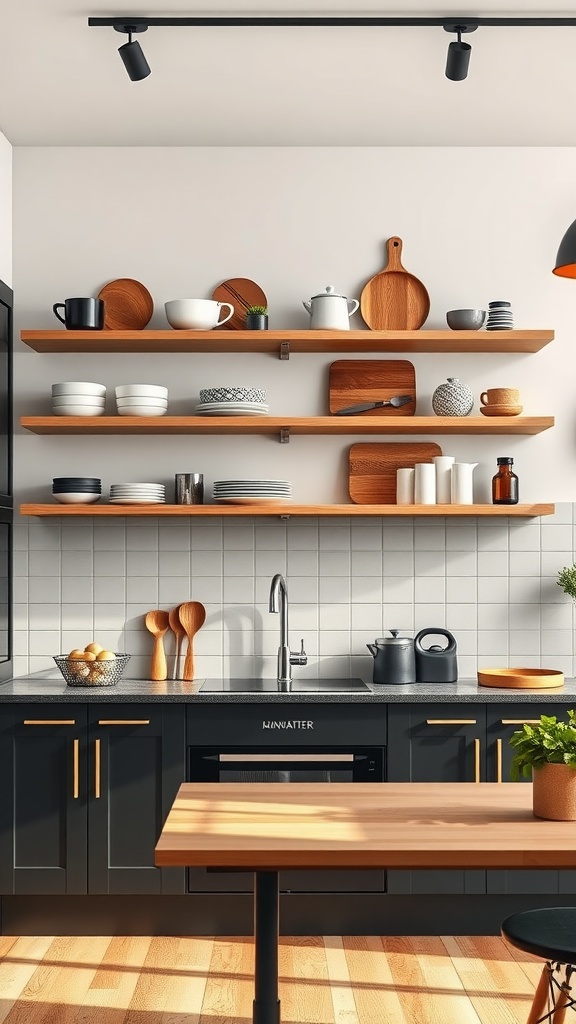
pixel 394 660
pixel 436 664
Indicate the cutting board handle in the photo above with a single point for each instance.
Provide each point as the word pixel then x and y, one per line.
pixel 394 246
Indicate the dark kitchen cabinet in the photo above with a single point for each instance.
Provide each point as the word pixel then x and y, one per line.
pixel 136 764
pixel 43 810
pixel 436 743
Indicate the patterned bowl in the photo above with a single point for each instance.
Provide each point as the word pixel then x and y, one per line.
pixel 92 673
pixel 232 395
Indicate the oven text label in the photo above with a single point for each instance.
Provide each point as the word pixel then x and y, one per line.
pixel 295 724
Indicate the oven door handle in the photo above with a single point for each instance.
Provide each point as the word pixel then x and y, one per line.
pixel 284 758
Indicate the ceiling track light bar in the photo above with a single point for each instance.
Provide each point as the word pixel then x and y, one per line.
pixel 139 23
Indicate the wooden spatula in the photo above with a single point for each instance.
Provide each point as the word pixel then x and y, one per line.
pixel 179 632
pixel 192 615
pixel 157 623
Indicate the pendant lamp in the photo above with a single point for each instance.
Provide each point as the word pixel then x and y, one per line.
pixel 566 258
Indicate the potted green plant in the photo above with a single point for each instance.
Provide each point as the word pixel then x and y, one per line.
pixel 547 752
pixel 257 318
pixel 567 580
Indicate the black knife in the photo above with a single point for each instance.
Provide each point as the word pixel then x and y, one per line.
pixel 397 401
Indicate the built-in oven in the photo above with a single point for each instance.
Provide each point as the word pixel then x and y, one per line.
pixel 282 742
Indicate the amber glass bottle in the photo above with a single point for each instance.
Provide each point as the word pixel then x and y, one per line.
pixel 505 484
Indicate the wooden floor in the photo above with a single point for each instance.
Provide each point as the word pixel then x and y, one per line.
pixel 329 980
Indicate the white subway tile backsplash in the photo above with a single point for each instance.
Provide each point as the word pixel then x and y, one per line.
pixel 399 589
pixel 462 590
pixel 524 644
pixel 429 615
pixel 305 590
pixel 77 616
pixel 429 589
pixel 109 563
pixel 44 536
pixel 367 617
pixel 524 616
pixel 461 616
pixel 141 563
pixel 334 616
pixel 39 589
pixel 239 563
pixel 206 563
pixel 44 563
pixel 426 563
pixel 399 538
pixel 366 538
pixel 525 589
pixel 461 538
pixel 429 538
pixel 140 588
pixel 334 563
pixel 172 590
pixel 394 563
pixel 141 537
pixel 75 563
pixel 238 538
pixel 110 588
pixel 268 563
pixel 238 590
pixel 493 616
pixel 174 538
pixel 302 537
pixel 462 563
pixel 270 538
pixel 493 588
pixel 556 642
pixel 109 616
pixel 492 538
pixel 366 590
pixel 493 642
pixel 493 563
pixel 109 537
pixel 300 563
pixel 398 616
pixel 334 588
pixel 524 563
pixel 557 616
pixel 44 616
pixel 172 563
pixel 78 537
pixel 525 537
pixel 557 538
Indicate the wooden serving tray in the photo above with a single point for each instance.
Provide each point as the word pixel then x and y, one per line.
pixel 372 475
pixel 372 380
pixel 521 678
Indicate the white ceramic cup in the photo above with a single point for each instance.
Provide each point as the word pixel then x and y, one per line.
pixel 196 314
pixel 425 483
pixel 462 483
pixel 443 464
pixel 404 486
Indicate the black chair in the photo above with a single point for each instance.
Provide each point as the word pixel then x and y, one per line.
pixel 550 934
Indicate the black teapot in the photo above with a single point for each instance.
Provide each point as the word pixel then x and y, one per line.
pixel 394 659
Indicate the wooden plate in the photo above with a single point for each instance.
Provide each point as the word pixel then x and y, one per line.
pixel 372 380
pixel 501 410
pixel 521 678
pixel 128 305
pixel 373 466
pixel 241 292
pixel 394 300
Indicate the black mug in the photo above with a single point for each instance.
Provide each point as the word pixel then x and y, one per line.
pixel 81 314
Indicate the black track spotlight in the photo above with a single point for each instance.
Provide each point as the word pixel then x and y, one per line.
pixel 458 58
pixel 131 52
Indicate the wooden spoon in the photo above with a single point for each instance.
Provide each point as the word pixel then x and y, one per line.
pixel 157 623
pixel 192 615
pixel 179 632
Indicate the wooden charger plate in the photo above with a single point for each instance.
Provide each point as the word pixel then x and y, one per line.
pixel 128 305
pixel 241 293
pixel 521 678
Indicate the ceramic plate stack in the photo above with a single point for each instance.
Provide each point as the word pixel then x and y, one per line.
pixel 232 402
pixel 78 398
pixel 500 316
pixel 137 494
pixel 252 492
pixel 141 400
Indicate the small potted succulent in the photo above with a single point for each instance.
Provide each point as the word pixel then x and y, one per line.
pixel 547 752
pixel 257 318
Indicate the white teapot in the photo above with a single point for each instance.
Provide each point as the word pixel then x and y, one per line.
pixel 330 312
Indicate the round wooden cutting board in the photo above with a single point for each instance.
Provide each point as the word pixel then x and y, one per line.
pixel 128 305
pixel 394 300
pixel 241 293
pixel 521 678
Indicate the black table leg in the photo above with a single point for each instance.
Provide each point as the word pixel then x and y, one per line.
pixel 266 1008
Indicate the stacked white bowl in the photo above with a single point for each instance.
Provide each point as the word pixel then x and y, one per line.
pixel 78 398
pixel 141 400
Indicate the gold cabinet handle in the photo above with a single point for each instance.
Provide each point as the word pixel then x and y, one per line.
pixel 476 760
pixel 76 770
pixel 97 769
pixel 450 721
pixel 520 721
pixel 49 721
pixel 124 721
pixel 499 759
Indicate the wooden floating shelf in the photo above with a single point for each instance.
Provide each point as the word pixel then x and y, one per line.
pixel 284 426
pixel 203 511
pixel 282 343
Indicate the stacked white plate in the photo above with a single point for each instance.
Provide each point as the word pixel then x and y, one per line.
pixel 252 492
pixel 232 409
pixel 78 398
pixel 141 400
pixel 137 494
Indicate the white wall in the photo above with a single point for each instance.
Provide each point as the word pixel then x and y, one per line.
pixel 477 224
pixel 5 210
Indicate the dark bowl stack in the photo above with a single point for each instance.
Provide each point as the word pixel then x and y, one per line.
pixel 81 490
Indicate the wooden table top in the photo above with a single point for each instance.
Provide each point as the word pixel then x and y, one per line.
pixel 357 825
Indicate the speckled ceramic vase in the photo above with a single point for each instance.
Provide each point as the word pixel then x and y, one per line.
pixel 453 398
pixel 554 792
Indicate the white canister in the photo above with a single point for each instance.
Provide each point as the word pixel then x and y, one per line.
pixel 443 464
pixel 425 483
pixel 404 486
pixel 462 483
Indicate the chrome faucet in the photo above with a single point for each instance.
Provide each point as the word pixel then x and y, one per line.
pixel 279 603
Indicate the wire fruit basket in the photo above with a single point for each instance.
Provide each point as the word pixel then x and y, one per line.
pixel 92 673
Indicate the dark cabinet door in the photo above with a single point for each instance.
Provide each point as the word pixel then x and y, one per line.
pixel 136 764
pixel 502 721
pixel 436 743
pixel 43 817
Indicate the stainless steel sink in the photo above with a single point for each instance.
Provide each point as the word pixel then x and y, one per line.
pixel 301 685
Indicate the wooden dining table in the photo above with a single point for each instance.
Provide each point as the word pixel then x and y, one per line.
pixel 267 827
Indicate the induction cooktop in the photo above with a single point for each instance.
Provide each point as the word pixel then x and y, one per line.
pixel 295 686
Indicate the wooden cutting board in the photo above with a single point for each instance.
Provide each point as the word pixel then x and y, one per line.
pixel 394 300
pixel 128 305
pixel 372 477
pixel 241 293
pixel 353 381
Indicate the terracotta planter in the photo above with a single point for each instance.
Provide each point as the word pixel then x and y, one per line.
pixel 554 792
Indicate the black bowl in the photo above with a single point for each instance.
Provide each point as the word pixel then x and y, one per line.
pixel 76 480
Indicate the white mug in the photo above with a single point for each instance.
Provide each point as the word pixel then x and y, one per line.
pixel 196 314
pixel 404 486
pixel 424 483
pixel 462 485
pixel 443 464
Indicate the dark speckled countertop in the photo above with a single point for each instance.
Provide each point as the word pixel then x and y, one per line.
pixel 44 686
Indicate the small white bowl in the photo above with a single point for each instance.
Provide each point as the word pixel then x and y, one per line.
pixel 78 400
pixel 79 387
pixel 78 410
pixel 79 498
pixel 161 403
pixel 138 390
pixel 141 410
